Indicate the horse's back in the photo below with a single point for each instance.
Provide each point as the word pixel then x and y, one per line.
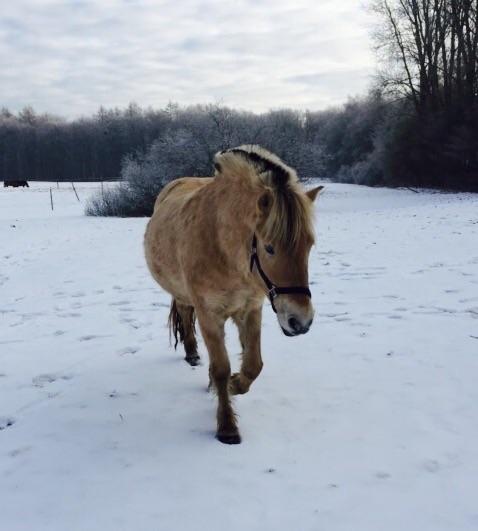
pixel 180 190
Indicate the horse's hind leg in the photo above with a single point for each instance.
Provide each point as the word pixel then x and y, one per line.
pixel 249 325
pixel 182 324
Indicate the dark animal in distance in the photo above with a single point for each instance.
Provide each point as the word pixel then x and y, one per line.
pixel 15 184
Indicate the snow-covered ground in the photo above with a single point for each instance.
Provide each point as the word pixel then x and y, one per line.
pixel 369 422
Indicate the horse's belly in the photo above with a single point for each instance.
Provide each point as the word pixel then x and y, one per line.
pixel 162 258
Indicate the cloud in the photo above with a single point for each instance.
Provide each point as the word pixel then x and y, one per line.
pixel 69 57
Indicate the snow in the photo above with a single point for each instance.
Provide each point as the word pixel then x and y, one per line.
pixel 368 422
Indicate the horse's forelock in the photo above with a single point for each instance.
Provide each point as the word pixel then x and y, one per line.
pixel 290 216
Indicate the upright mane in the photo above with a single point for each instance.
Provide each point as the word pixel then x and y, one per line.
pixel 291 211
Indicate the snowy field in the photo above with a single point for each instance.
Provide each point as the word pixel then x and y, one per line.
pixel 367 423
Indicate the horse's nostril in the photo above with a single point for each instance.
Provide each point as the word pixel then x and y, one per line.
pixel 294 324
pixel 296 327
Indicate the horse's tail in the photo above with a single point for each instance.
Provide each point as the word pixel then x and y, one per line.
pixel 180 323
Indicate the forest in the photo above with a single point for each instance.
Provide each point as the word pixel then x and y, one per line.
pixel 416 127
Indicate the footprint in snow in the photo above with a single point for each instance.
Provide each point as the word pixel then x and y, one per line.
pixel 19 451
pixel 159 305
pixel 78 294
pixel 6 422
pixel 128 350
pixel 116 394
pixel 88 337
pixel 118 303
pixel 31 315
pixel 470 299
pixel 44 379
pixel 431 465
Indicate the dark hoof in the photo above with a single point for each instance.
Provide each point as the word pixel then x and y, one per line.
pixel 236 387
pixel 229 438
pixel 193 360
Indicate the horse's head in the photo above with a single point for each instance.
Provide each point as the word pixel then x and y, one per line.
pixel 284 238
pixel 283 231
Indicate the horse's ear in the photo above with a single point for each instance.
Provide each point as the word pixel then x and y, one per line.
pixel 264 203
pixel 314 192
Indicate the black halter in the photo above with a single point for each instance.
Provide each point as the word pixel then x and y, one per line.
pixel 274 290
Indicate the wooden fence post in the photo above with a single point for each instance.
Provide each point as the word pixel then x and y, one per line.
pixel 74 189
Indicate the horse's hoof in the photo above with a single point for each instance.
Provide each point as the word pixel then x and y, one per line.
pixel 229 438
pixel 236 386
pixel 194 361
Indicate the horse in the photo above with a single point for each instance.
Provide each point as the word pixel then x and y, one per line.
pixel 15 184
pixel 219 245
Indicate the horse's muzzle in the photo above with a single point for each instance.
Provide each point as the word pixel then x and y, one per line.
pixel 296 328
pixel 288 334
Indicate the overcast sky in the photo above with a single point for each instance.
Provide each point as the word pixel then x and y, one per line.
pixel 69 57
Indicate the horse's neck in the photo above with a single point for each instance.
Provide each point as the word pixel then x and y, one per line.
pixel 235 226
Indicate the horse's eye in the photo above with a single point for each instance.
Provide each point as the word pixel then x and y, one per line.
pixel 269 249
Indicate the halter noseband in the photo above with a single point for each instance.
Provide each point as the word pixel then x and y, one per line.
pixel 274 290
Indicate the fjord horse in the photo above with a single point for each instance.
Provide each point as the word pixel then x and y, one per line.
pixel 219 245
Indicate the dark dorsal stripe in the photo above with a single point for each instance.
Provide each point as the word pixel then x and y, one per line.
pixel 280 174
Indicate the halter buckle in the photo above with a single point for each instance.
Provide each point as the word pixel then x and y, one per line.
pixel 273 292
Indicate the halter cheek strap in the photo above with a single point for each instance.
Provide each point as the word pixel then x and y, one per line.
pixel 274 290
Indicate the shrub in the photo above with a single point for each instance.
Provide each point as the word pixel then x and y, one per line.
pixel 144 176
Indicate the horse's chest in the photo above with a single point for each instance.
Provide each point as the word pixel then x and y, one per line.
pixel 235 300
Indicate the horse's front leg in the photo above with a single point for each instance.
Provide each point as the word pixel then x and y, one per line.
pixel 212 329
pixel 249 325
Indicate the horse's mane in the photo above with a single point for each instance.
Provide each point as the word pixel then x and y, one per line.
pixel 291 211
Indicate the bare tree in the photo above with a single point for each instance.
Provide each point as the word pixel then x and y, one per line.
pixel 434 43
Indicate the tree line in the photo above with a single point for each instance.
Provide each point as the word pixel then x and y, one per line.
pixel 42 147
pixel 429 52
pixel 417 126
